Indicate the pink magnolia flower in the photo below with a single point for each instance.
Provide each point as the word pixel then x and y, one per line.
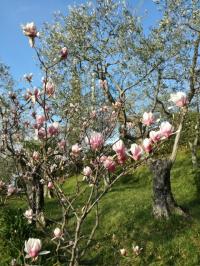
pixel 76 149
pixel 121 158
pixel 64 53
pixel 136 151
pixel 120 150
pixel 32 96
pixel 109 164
pixel 47 109
pixel 166 129
pixel 96 141
pixel 33 247
pixel 137 250
pixel 41 133
pixel 29 215
pixel 57 234
pixel 49 88
pixel 119 147
pixel 40 119
pixel 53 129
pixel 36 93
pixel 50 185
pixel 123 252
pixel 147 145
pixel 11 190
pixel 87 171
pixel 148 118
pixel 155 136
pixel 31 32
pixel 62 144
pixel 36 156
pixel 179 98
pixel 103 158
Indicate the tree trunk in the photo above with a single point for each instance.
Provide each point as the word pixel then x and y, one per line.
pixel 164 203
pixel 39 202
pixel 35 192
pixel 195 158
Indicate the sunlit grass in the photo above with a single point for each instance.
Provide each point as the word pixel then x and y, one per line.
pixel 126 220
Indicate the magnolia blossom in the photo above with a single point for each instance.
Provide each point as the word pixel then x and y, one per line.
pixel 50 185
pixel 62 144
pixel 11 190
pixel 96 141
pixel 155 136
pixel 119 147
pixel 32 96
pixel 57 233
pixel 109 164
pixel 76 149
pixel 123 252
pixel 136 151
pixel 33 247
pixel 30 31
pixel 121 158
pixel 41 133
pixel 179 98
pixel 137 250
pixel 29 215
pixel 103 158
pixel 53 129
pixel 40 119
pixel 166 129
pixel 147 145
pixel 87 171
pixel 49 88
pixel 148 118
pixel 120 150
pixel 36 156
pixel 64 53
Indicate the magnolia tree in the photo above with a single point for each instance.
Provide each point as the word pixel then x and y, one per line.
pixel 132 71
pixel 36 137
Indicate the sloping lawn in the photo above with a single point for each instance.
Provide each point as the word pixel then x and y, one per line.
pixel 126 220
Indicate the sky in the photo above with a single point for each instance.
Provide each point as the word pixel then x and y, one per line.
pixel 14 49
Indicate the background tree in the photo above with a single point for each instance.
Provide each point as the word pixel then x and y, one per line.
pixel 137 71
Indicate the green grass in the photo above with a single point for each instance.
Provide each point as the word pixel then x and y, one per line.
pixel 126 213
pixel 126 219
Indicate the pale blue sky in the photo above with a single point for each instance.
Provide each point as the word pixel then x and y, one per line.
pixel 14 49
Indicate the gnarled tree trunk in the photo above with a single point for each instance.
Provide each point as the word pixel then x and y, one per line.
pixel 164 203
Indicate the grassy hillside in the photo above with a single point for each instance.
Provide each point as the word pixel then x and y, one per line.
pixel 126 220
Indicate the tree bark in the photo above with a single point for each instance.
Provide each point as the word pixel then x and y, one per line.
pixel 164 203
pixel 35 192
